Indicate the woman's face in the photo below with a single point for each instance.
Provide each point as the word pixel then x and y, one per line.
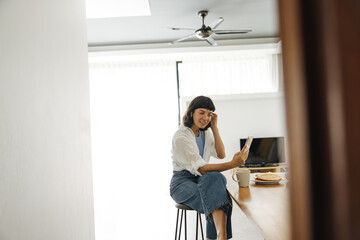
pixel 202 117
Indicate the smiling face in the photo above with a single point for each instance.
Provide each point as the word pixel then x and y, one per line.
pixel 201 118
pixel 199 113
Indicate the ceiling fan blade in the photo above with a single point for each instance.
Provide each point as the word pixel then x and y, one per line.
pixel 231 31
pixel 211 41
pixel 216 23
pixel 183 38
pixel 173 28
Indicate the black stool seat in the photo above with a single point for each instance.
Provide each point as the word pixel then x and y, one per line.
pixel 183 207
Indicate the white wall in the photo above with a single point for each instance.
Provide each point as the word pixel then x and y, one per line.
pixel 45 155
pixel 258 115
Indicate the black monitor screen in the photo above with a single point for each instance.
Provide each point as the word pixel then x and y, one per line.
pixel 265 151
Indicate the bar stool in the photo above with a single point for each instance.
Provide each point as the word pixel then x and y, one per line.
pixel 185 208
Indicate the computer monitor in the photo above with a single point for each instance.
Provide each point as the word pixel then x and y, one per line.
pixel 269 151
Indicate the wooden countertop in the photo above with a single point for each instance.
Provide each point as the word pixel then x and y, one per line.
pixel 266 205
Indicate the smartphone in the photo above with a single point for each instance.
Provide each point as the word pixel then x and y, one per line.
pixel 248 142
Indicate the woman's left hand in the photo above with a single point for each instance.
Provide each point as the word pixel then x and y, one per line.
pixel 214 119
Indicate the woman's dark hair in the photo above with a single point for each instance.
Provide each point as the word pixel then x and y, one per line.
pixel 198 102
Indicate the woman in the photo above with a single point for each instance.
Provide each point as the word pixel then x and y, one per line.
pixel 195 182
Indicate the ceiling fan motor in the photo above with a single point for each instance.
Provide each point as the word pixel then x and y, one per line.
pixel 203 32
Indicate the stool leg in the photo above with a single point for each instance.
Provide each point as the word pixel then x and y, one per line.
pixel 202 233
pixel 185 226
pixel 177 220
pixel 182 212
pixel 197 224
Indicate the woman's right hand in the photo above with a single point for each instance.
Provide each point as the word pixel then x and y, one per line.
pixel 240 157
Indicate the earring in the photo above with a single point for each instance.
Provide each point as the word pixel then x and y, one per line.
pixel 191 114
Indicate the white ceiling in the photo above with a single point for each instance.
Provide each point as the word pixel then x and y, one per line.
pixel 260 16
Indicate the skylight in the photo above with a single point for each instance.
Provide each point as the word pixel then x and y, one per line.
pixel 117 8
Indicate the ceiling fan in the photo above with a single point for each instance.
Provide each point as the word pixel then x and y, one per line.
pixel 206 32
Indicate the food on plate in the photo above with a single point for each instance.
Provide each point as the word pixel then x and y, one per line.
pixel 268 177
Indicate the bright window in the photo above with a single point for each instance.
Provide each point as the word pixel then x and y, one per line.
pixel 230 74
pixel 133 118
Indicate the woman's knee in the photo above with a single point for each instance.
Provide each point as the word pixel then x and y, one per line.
pixel 185 191
pixel 213 176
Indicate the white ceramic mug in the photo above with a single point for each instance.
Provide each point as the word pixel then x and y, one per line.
pixel 242 177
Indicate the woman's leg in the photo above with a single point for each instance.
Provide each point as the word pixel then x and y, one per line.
pixel 183 189
pixel 217 205
pixel 219 217
pixel 213 200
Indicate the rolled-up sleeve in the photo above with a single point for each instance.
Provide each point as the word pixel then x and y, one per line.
pixel 187 155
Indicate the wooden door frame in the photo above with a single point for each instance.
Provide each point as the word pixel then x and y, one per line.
pixel 321 57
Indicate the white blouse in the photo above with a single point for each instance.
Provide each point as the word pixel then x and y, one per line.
pixel 185 152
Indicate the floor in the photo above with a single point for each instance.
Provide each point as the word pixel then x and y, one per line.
pixel 242 226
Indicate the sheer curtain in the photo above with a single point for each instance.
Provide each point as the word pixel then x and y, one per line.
pixel 229 74
pixel 133 118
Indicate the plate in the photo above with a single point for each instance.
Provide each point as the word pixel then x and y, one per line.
pixel 260 182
